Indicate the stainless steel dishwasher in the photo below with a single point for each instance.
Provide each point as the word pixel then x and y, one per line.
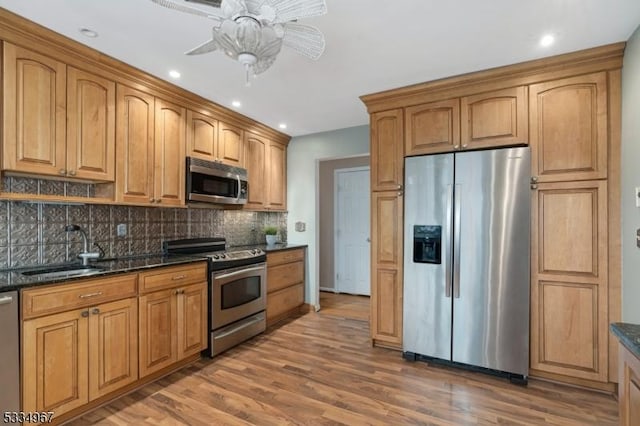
pixel 9 352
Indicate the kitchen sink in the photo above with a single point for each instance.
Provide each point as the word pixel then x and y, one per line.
pixel 64 271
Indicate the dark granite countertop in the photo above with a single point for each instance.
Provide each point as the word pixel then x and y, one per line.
pixel 13 279
pixel 629 335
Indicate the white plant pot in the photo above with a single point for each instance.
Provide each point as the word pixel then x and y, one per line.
pixel 271 239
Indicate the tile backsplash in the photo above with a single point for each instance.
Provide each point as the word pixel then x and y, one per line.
pixel 33 233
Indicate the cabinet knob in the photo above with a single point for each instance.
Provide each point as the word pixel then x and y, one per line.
pixel 456 147
pixel 464 146
pixel 84 314
pixel 62 172
pixel 95 311
pixel 534 186
pixel 400 193
pixel 152 200
pixel 399 186
pixel 534 179
pixel 158 200
pixel 72 172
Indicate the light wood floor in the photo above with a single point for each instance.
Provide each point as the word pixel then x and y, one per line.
pixel 320 369
pixel 345 305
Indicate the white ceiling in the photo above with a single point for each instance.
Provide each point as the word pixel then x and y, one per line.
pixel 372 45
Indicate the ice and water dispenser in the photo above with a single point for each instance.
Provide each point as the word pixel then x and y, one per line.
pixel 427 244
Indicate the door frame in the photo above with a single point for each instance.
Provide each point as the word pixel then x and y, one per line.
pixel 336 172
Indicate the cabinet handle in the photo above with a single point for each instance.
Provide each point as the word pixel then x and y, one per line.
pixel 456 147
pixel 534 186
pixel 72 172
pixel 85 296
pixel 152 200
pixel 464 146
pixel 399 186
pixel 62 172
pixel 158 200
pixel 84 314
pixel 400 193
pixel 178 277
pixel 95 311
pixel 534 179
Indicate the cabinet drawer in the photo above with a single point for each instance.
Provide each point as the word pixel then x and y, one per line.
pixel 284 300
pixel 284 256
pixel 42 301
pixel 172 276
pixel 285 275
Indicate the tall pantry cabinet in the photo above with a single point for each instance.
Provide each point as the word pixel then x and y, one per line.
pixel 567 108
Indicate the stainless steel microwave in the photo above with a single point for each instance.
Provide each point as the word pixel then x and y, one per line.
pixel 213 182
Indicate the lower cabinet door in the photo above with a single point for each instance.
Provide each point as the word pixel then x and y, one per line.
pixel 113 346
pixel 54 362
pixel 192 320
pixel 158 331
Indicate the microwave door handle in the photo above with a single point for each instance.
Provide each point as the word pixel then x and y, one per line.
pixel 239 189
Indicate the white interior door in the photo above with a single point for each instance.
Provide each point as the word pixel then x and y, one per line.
pixel 352 240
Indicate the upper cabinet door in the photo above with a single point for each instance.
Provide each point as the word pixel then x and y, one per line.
pixel 432 127
pixel 170 146
pixel 387 149
pixel 91 123
pixel 202 136
pixel 256 162
pixel 569 128
pixel 494 119
pixel 134 139
pixel 230 145
pixel 34 105
pixel 277 177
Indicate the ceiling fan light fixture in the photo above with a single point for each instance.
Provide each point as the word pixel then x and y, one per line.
pixel 254 31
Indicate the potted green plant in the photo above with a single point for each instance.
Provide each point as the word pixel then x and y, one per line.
pixel 270 233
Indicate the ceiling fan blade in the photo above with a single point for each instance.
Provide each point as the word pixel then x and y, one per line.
pixel 206 47
pixel 231 8
pixel 304 39
pixel 290 10
pixel 212 3
pixel 187 9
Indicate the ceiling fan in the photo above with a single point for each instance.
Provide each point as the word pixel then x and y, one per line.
pixel 253 31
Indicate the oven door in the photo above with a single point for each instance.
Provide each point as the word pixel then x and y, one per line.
pixel 237 293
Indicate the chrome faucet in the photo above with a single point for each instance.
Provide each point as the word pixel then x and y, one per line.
pixel 86 254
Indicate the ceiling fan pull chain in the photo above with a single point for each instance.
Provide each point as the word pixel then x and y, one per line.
pixel 247 80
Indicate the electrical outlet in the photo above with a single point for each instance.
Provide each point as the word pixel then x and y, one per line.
pixel 121 230
pixel 300 226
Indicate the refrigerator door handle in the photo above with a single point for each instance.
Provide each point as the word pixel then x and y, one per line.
pixel 456 241
pixel 448 262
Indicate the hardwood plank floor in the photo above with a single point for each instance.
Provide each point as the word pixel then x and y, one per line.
pixel 345 305
pixel 321 369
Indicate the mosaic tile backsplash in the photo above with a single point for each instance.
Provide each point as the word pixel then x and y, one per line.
pixel 33 233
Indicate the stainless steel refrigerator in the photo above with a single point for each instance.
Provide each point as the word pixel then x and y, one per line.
pixel 466 264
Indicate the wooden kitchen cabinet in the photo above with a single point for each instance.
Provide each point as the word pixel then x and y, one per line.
pixel 151 143
pixel 568 121
pixel 285 283
pixel 386 268
pixel 569 311
pixel 628 387
pixel 266 163
pixel 387 150
pixel 231 145
pixel 59 120
pixel 79 342
pixel 494 119
pixel 202 136
pixel 173 315
pixel 432 128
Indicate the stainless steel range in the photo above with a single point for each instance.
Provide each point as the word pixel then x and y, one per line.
pixel 237 289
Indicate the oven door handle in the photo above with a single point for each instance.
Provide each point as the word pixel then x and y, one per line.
pixel 241 272
pixel 239 327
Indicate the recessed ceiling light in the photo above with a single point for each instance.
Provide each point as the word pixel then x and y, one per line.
pixel 282 126
pixel 547 40
pixel 236 104
pixel 88 33
pixel 174 74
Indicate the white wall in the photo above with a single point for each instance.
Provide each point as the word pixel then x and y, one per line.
pixel 630 179
pixel 303 155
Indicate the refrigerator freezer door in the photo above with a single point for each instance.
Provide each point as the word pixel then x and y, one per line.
pixel 428 229
pixel 491 308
